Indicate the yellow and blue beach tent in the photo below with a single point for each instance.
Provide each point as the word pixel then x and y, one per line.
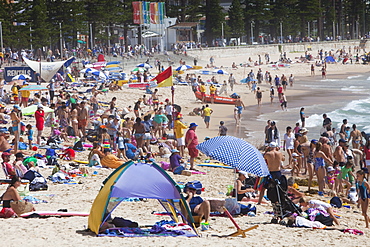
pixel 137 180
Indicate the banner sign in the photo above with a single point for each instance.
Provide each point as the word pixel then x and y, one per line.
pixel 10 72
pixel 148 12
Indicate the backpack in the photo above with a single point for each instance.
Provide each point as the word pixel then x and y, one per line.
pixel 78 146
pixel 37 181
pixel 70 131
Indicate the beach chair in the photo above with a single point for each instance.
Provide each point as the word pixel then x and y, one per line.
pixel 239 231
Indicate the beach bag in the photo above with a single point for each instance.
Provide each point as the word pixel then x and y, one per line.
pixel 336 202
pixel 37 181
pixel 121 222
pixel 21 207
pixel 232 205
pixel 165 165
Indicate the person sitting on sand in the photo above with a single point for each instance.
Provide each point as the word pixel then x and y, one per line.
pixel 11 193
pixel 95 154
pixel 293 193
pixel 68 154
pixel 323 206
pixel 243 191
pixel 197 205
pixel 110 160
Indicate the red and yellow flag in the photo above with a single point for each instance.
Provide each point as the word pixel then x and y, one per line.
pixel 164 79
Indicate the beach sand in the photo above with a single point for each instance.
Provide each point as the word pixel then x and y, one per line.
pixel 79 197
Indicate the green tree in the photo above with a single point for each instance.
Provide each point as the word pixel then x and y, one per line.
pixel 236 19
pixel 214 19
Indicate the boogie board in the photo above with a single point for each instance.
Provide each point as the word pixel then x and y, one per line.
pixel 53 214
pixel 81 162
pixel 219 165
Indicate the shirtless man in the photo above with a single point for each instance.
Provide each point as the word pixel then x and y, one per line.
pixel 83 117
pixel 94 102
pixel 355 136
pixel 14 115
pixel 240 106
pixel 342 133
pixel 155 99
pixel 274 159
pixel 339 152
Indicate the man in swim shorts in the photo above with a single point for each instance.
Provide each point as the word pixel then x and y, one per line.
pixel 240 106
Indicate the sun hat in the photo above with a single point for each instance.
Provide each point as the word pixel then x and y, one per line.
pixel 303 130
pixel 273 145
pixel 330 169
pixel 295 155
pixel 40 106
pixel 193 125
pixel 175 151
pixel 244 173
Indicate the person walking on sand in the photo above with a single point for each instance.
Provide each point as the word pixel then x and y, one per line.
pixel 203 90
pixel 312 70
pixel 207 112
pixel 272 94
pixel 283 102
pixel 191 140
pixel 231 81
pixel 239 104
pixel 355 136
pixel 323 72
pixel 291 80
pixel 303 117
pixel 259 96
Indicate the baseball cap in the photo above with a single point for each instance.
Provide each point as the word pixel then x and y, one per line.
pixel 342 140
pixel 330 169
pixel 314 141
pixel 175 151
pixel 273 145
pixel 244 173
pixel 17 107
pixel 295 155
pixel 365 169
pixel 166 100
pixel 5 154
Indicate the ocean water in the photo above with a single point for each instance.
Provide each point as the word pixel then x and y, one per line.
pixel 356 111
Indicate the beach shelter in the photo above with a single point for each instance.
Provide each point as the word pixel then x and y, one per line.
pixel 137 180
pixel 329 59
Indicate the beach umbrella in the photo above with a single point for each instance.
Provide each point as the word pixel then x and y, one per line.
pixel 30 110
pixel 99 74
pixel 246 80
pixel 204 72
pixel 113 68
pixel 21 77
pixel 34 88
pixel 184 67
pixel 221 72
pixel 138 69
pixel 235 152
pixel 113 62
pixel 144 65
pixel 88 70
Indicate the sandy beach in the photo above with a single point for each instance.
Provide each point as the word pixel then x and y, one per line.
pixel 70 231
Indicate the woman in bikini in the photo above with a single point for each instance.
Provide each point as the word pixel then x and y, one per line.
pixel 11 193
pixel 74 120
pixel 139 132
pixel 363 191
pixel 319 158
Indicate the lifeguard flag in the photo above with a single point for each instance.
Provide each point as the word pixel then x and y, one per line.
pixel 164 79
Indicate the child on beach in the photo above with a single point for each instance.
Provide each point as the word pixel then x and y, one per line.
pixel 363 191
pixel 330 178
pixel 297 128
pixel 29 135
pixel 222 130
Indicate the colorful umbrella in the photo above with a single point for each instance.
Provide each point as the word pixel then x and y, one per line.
pixel 113 62
pixel 34 88
pixel 88 70
pixel 235 152
pixel 138 69
pixel 30 110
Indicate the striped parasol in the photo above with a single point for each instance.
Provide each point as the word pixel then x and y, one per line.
pixel 237 153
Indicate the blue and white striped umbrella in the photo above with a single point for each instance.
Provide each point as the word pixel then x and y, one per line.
pixel 113 62
pixel 144 65
pixel 21 77
pixel 184 67
pixel 235 152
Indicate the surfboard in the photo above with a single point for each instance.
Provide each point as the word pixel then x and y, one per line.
pixel 218 165
pixel 54 214
pixel 81 162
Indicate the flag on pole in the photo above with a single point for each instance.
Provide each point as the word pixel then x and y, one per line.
pixel 136 12
pixel 153 13
pixel 164 79
pixel 161 12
